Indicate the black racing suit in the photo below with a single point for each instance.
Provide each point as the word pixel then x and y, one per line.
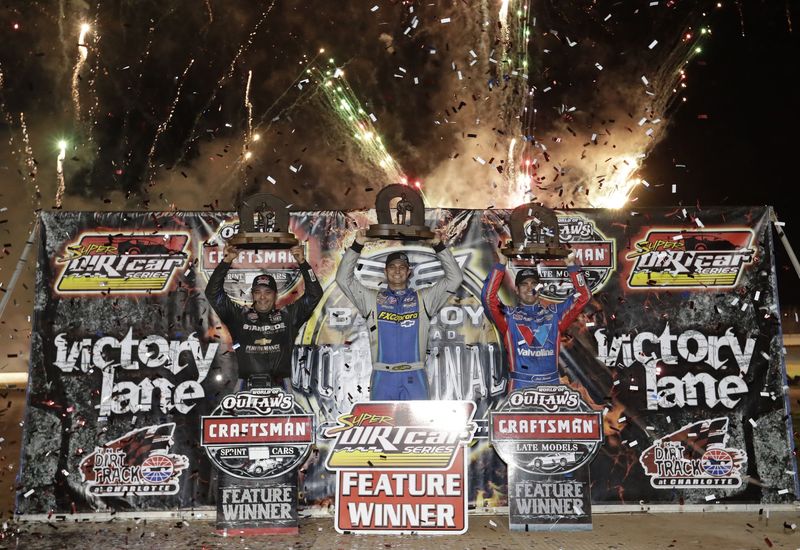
pixel 263 341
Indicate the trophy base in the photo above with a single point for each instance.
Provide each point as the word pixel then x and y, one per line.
pixel 263 241
pixel 537 252
pixel 395 232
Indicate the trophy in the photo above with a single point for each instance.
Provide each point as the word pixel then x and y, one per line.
pixel 534 234
pixel 263 223
pixel 409 212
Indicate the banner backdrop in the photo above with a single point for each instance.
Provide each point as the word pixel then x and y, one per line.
pixel 681 345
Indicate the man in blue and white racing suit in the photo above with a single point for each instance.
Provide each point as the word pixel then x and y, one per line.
pixel 398 318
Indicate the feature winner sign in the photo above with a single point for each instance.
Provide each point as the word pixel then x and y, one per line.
pixel 548 436
pixel 401 467
pixel 257 439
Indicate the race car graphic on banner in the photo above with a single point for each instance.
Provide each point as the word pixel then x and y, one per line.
pixel 683 329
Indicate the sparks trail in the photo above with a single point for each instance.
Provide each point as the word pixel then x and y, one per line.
pixel 60 182
pixel 163 126
pixel 352 121
pixel 248 106
pixel 245 46
pixel 83 54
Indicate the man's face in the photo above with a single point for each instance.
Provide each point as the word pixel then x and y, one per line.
pixel 397 273
pixel 263 299
pixel 526 290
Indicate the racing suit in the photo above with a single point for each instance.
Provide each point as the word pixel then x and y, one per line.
pixel 531 333
pixel 263 340
pixel 398 322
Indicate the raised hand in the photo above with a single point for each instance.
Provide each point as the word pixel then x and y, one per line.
pixel 229 253
pixel 299 253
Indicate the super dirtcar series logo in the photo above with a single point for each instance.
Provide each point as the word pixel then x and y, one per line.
pixel 401 467
pixel 593 251
pixel 389 435
pixel 132 263
pixel 138 463
pixel 257 434
pixel 696 456
pixel 708 258
pixel 546 430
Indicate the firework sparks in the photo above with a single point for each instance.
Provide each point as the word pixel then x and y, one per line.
pixel 355 122
pixel 60 181
pixel 83 55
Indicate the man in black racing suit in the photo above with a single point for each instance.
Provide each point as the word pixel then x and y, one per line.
pixel 263 336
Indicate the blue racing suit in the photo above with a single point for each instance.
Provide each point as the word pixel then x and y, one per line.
pixel 531 333
pixel 398 322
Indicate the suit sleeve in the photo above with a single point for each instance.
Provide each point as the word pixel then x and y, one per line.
pixel 435 297
pixel 215 293
pixel 490 297
pixel 302 308
pixel 572 310
pixel 349 284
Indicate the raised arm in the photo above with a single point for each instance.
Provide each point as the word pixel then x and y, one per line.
pixel 215 289
pixel 573 307
pixel 493 306
pixel 302 308
pixel 435 297
pixel 346 277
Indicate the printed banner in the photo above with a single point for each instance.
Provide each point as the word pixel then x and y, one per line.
pixel 679 347
pixel 401 467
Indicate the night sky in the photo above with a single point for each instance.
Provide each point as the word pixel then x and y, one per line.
pixel 192 105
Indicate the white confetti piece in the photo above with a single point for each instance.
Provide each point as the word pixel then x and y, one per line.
pixel 236 346
pixel 375 8
pixel 622 419
pixel 757 296
pixel 492 523
pixel 271 180
pixel 744 306
pixel 709 498
pixel 645 81
pixel 633 444
pixel 652 44
pixel 783 492
pixel 607 17
pixel 698 222
pixel 373 118
pixel 445 20
pixel 599 66
pixel 634 388
pixel 734 301
pixel 674 187
pixel 416 80
pixel 29 493
pixel 753 423
pixel 472 53
pixel 479 159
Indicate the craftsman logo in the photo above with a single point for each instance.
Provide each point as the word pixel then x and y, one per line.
pixel 594 252
pixel 249 265
pixel 128 263
pixel 546 430
pixel 690 259
pixel 138 463
pixel 695 456
pixel 401 467
pixel 257 434
pixel 379 435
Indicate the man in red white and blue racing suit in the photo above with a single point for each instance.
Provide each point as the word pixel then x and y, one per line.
pixel 531 331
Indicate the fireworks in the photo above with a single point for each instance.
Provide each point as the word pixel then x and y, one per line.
pixel 61 182
pixel 354 121
pixel 83 54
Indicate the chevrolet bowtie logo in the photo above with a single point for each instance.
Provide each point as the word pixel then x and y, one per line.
pixel 262 341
